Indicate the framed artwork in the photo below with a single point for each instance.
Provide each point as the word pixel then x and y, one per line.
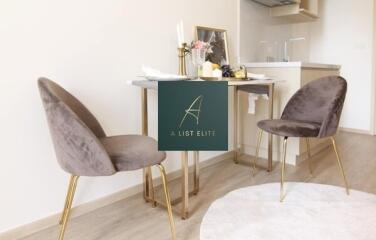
pixel 217 38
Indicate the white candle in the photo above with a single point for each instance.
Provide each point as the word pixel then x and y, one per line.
pixel 207 69
pixel 179 35
pixel 181 31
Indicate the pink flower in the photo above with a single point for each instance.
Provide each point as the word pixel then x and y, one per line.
pixel 199 45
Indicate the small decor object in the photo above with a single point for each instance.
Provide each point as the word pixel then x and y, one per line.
pixel 200 45
pixel 227 71
pixel 182 52
pixel 198 52
pixel 217 39
pixel 217 73
pixel 156 75
pixel 207 69
pixel 192 116
pixel 241 72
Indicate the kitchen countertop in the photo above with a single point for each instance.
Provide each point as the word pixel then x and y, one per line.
pixel 290 65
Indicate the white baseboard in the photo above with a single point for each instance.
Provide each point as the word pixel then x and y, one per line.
pixel 85 208
pixel 353 130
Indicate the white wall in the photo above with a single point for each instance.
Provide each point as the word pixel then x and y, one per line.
pixel 344 36
pixel 92 48
pixel 373 86
pixel 262 35
pixel 253 19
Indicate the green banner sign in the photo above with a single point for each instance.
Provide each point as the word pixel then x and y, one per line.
pixel 192 115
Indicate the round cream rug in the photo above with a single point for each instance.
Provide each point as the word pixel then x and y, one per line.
pixel 309 212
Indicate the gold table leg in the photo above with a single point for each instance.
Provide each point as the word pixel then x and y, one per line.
pixel 309 156
pixel 147 175
pixel 270 136
pixel 236 106
pixel 148 188
pixel 196 172
pixel 259 138
pixel 185 185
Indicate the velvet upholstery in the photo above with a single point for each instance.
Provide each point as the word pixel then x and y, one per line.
pixel 290 128
pixel 81 145
pixel 131 152
pixel 313 111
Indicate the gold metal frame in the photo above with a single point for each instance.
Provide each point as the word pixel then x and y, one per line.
pixel 72 189
pixel 270 136
pixel 168 201
pixel 185 193
pixel 216 30
pixel 196 172
pixel 68 205
pixel 148 183
pixel 236 110
pixel 259 138
pixel 309 156
pixel 182 52
pixel 283 167
pixel 340 165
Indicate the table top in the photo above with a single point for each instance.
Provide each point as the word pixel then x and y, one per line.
pixel 154 84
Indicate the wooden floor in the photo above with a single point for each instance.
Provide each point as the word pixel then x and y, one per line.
pixel 133 219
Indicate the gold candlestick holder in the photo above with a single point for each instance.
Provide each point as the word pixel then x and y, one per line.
pixel 182 52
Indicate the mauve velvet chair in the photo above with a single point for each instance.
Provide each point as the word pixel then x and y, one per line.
pixel 312 112
pixel 83 149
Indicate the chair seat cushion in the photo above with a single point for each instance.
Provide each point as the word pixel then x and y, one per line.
pixel 131 152
pixel 290 128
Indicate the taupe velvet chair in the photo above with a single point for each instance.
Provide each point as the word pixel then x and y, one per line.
pixel 313 111
pixel 83 149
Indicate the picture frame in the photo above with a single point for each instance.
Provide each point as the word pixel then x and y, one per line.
pixel 217 38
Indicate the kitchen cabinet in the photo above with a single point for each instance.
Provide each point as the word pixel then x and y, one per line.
pixel 301 11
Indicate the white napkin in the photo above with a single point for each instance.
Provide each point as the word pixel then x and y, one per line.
pixel 154 74
pixel 257 76
pixel 252 97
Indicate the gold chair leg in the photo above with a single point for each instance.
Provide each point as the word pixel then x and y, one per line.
pixel 168 201
pixel 340 165
pixel 283 168
pixel 69 192
pixel 309 156
pixel 257 150
pixel 69 201
pixel 151 189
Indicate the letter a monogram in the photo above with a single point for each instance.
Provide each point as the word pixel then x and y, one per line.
pixel 193 110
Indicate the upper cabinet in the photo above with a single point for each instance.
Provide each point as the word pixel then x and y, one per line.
pixel 293 10
pixel 302 11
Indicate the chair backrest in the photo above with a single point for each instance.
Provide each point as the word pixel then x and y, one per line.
pixel 320 101
pixel 75 132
